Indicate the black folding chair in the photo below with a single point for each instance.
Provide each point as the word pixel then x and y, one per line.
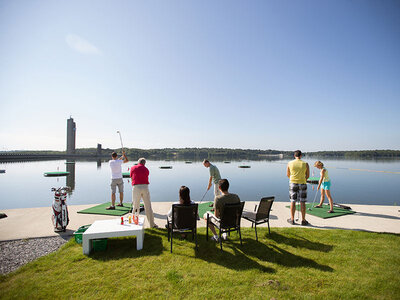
pixel 260 215
pixel 229 220
pixel 184 219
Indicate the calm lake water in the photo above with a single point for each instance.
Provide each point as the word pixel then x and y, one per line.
pixel 353 182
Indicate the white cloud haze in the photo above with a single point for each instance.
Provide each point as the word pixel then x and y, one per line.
pixel 81 45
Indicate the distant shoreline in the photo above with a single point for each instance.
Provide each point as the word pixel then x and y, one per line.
pixel 195 154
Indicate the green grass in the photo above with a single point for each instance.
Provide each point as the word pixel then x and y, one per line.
pixel 291 263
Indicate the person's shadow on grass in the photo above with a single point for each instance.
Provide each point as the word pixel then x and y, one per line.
pixel 275 254
pixel 238 260
pixel 298 242
pixel 251 255
pixel 210 251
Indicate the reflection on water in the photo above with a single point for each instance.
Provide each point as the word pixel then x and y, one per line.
pixel 357 182
pixel 70 167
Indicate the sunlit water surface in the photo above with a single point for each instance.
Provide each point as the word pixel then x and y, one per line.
pixel 358 182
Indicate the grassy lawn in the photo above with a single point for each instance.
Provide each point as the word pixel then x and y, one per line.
pixel 291 263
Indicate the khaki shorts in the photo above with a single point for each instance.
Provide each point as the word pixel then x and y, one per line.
pixel 117 182
pixel 213 218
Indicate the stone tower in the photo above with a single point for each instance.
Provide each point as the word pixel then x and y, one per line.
pixel 71 130
pixel 98 150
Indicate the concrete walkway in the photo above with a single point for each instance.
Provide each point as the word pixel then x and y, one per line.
pixel 36 222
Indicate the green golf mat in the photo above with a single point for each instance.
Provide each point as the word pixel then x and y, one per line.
pixel 314 180
pixel 101 209
pixel 203 208
pixel 323 211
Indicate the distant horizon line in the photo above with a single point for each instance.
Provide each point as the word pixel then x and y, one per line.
pixel 211 148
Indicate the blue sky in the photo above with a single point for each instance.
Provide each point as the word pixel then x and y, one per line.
pixel 313 75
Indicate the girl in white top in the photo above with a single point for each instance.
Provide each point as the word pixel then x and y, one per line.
pixel 325 185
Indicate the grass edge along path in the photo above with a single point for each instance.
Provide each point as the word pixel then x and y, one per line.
pixel 291 263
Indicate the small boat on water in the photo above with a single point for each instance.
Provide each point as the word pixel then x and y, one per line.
pixel 227 162
pixel 2 171
pixel 245 167
pixel 188 162
pixel 55 174
pixel 166 167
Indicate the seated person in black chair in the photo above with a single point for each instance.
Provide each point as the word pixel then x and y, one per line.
pixel 184 198
pixel 219 201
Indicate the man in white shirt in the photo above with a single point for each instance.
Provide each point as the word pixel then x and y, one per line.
pixel 116 178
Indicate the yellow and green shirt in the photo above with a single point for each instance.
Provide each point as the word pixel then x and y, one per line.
pixel 298 170
pixel 326 176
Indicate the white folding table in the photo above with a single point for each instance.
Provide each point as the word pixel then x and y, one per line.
pixel 112 228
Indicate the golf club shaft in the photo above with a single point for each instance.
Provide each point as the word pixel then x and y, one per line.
pixel 120 138
pixel 315 197
pixel 203 196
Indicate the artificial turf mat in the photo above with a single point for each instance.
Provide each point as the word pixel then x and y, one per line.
pixel 101 209
pixel 323 211
pixel 314 180
pixel 203 208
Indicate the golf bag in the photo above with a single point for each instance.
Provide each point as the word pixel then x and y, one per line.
pixel 60 211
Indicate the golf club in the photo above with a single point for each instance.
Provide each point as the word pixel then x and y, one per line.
pixel 203 196
pixel 120 138
pixel 315 197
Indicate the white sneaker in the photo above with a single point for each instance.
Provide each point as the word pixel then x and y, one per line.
pixel 224 236
pixel 215 238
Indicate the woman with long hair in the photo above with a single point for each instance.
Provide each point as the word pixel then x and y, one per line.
pixel 184 198
pixel 325 185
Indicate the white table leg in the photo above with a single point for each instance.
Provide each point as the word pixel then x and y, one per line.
pixel 86 245
pixel 139 240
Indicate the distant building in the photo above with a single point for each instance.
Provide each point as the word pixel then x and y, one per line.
pixel 98 149
pixel 71 133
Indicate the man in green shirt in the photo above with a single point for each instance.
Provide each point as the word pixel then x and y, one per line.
pixel 219 201
pixel 214 177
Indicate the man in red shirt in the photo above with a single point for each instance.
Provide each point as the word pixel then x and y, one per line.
pixel 140 182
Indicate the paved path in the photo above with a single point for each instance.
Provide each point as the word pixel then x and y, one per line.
pixel 36 222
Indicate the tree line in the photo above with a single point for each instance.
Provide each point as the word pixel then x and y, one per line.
pixel 216 153
pixel 361 154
